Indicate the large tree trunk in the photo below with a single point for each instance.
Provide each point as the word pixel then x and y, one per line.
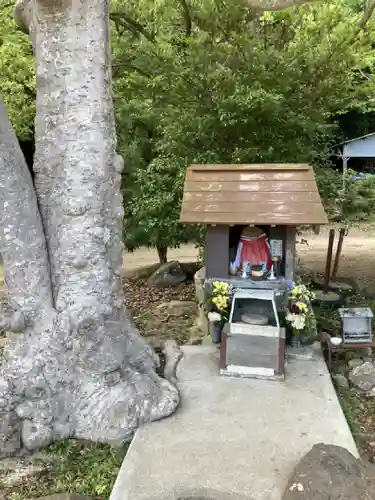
pixel 74 365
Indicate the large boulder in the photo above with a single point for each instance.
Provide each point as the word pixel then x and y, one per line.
pixel 328 472
pixel 363 376
pixel 169 274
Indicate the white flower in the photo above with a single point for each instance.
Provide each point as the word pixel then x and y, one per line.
pixel 297 321
pixel 290 317
pixel 214 317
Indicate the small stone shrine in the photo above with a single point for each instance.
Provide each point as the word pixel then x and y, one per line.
pixel 251 213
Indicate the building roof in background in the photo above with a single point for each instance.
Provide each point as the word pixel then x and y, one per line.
pixel 359 147
pixel 268 194
pixel 360 138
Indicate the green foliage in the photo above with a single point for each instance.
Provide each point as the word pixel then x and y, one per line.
pixel 212 82
pixel 215 82
pixel 17 82
pixel 352 205
pixel 75 467
pixel 152 212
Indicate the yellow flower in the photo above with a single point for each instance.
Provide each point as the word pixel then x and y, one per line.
pixel 221 302
pixel 220 287
pixel 302 307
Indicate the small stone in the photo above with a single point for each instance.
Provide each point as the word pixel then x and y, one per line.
pixel 363 377
pixel 367 360
pixel 354 363
pixel 169 274
pixel 341 381
pixel 368 351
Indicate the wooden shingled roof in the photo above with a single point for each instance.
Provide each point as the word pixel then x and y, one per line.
pixel 277 194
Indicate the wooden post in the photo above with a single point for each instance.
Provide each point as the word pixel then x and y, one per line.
pixel 338 254
pixel 290 252
pixel 329 260
pixel 344 173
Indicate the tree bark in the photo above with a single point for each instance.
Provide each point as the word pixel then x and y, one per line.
pixel 162 254
pixel 74 364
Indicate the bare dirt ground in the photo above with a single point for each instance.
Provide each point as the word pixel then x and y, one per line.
pixel 148 256
pixel 357 260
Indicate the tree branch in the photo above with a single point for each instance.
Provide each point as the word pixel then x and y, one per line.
pixel 22 240
pixel 123 19
pixel 118 66
pixel 369 10
pixel 187 17
pixel 274 5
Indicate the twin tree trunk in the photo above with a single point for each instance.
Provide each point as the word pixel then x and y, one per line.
pixel 73 366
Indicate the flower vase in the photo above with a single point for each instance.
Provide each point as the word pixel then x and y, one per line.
pixel 215 332
pixel 296 339
pixel 295 342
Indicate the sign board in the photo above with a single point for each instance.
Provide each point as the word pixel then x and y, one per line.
pixel 276 248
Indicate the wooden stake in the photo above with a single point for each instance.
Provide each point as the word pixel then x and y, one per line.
pixel 338 254
pixel 329 260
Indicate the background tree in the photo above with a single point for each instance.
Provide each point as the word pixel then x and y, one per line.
pixel 221 83
pixel 17 82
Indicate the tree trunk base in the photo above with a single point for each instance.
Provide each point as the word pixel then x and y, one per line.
pixel 48 393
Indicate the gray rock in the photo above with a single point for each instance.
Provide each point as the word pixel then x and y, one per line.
pixel 327 472
pixel 341 381
pixel 367 360
pixel 368 351
pixel 169 274
pixel 354 363
pixel 363 377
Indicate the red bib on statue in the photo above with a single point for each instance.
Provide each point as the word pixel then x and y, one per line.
pixel 255 250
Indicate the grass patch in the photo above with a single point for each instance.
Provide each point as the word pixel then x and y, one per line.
pixel 74 467
pixel 352 410
pixel 360 415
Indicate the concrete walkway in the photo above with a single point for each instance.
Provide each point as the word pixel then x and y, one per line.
pixel 233 438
